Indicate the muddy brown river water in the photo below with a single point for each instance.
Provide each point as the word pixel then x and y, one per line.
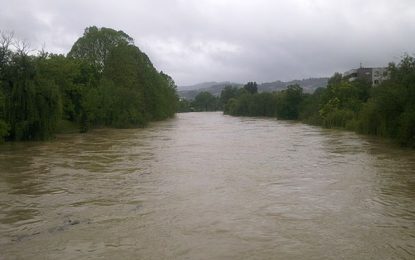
pixel 208 186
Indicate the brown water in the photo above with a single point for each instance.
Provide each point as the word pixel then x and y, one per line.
pixel 208 186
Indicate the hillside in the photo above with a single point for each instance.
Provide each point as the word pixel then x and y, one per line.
pixel 308 85
pixel 215 88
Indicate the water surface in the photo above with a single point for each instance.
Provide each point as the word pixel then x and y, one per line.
pixel 208 186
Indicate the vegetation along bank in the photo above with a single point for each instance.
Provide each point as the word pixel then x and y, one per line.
pixel 386 110
pixel 105 80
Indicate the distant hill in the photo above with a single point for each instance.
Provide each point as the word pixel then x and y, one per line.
pixel 215 88
pixel 203 85
pixel 309 85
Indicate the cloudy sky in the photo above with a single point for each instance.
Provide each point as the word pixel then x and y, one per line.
pixel 234 40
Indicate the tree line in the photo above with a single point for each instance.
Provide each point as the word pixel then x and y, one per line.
pixel 204 101
pixel 105 80
pixel 387 110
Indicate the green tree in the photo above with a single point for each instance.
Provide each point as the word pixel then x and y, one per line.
pixel 6 40
pixel 104 80
pixel 184 105
pixel 310 107
pixel 204 101
pixel 288 102
pixel 226 94
pixel 251 87
pixel 96 44
pixel 4 127
pixel 33 105
pixel 389 111
pixel 335 79
pixel 130 91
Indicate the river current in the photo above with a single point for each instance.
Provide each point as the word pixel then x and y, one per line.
pixel 208 186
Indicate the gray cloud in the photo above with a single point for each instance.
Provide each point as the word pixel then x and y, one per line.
pixel 237 40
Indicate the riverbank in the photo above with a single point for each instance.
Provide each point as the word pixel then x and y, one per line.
pixel 45 94
pixel 386 110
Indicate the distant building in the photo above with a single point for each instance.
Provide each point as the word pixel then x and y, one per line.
pixel 373 75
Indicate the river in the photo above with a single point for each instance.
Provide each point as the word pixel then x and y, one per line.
pixel 208 186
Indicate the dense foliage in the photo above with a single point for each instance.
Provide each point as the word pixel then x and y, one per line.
pixel 245 102
pixel 204 101
pixel 387 110
pixel 105 80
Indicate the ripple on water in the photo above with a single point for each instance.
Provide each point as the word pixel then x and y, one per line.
pixel 208 186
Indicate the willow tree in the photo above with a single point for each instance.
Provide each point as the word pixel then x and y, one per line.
pixel 104 80
pixel 33 105
pixel 4 127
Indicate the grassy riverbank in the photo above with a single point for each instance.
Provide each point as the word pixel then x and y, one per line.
pixel 387 110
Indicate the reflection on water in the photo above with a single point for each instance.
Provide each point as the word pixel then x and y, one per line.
pixel 208 186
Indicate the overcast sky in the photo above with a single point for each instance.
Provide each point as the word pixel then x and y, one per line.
pixel 234 40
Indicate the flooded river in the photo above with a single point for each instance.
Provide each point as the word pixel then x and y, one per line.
pixel 208 186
